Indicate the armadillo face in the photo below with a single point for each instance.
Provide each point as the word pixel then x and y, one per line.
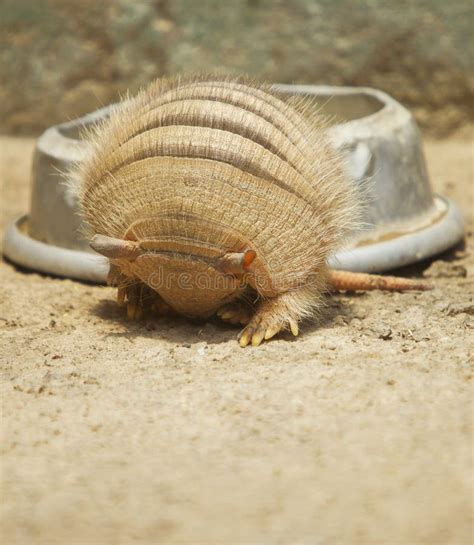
pixel 192 288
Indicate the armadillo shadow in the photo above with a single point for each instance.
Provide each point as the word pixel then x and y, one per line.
pixel 180 330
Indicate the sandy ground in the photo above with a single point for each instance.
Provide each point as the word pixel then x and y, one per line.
pixel 357 432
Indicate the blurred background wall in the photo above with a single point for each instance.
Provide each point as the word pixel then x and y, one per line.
pixel 62 58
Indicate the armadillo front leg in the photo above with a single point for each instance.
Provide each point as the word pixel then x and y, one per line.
pixel 136 296
pixel 237 312
pixel 141 300
pixel 280 313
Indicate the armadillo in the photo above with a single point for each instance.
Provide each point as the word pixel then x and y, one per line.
pixel 220 196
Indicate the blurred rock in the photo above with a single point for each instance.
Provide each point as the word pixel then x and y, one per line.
pixel 59 59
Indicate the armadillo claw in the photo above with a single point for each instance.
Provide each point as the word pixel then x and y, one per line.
pixel 293 327
pixel 121 293
pixel 234 313
pixel 254 334
pixel 258 330
pixel 272 331
pixel 258 337
pixel 134 311
pixel 141 300
pixel 245 336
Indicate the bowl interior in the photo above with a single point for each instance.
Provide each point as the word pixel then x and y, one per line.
pixel 341 108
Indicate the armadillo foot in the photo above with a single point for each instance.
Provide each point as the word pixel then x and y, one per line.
pixel 128 292
pixel 263 328
pixel 132 297
pixel 139 300
pixel 235 313
pixel 271 317
pixel 281 313
pixel 134 311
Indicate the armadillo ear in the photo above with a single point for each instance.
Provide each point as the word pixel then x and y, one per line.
pixel 115 248
pixel 235 263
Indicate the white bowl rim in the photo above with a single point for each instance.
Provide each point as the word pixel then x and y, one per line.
pixel 381 256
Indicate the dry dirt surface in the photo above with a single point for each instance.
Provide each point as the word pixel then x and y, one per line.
pixel 357 432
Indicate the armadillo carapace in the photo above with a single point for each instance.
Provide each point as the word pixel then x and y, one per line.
pixel 217 196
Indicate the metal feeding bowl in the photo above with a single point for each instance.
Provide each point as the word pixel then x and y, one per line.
pixel 404 221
